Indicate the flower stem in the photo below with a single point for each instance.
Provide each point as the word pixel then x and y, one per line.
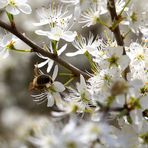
pixel 102 23
pixel 126 4
pixel 20 50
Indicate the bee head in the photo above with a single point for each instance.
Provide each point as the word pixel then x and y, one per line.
pixel 43 79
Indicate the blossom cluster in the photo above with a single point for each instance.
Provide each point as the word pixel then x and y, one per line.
pixel 109 108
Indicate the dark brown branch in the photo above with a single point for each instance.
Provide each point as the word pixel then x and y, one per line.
pixel 120 41
pixel 36 48
pixel 112 9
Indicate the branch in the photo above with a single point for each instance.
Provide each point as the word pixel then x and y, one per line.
pixel 38 49
pixel 116 31
pixel 112 9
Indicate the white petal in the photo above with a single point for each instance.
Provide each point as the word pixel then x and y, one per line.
pixel 25 8
pixel 41 56
pixel 82 81
pixel 115 50
pixel 69 36
pixel 50 101
pixel 144 102
pixel 61 50
pixel 58 99
pixel 4 53
pixel 124 61
pixel 137 83
pixel 58 114
pixel 12 10
pixel 93 51
pixel 55 37
pixel 50 64
pixel 42 64
pixel 41 32
pixel 77 12
pixel 21 1
pixel 3 3
pixel 125 22
pixel 55 73
pixel 136 47
pixel 59 87
pixel 71 54
pixel 41 23
pixel 6 39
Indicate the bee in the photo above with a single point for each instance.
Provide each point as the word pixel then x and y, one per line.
pixel 41 81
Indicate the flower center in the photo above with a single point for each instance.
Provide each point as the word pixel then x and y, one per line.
pixel 12 2
pixel 84 98
pixel 140 57
pixel 71 144
pixel 107 78
pixel 134 17
pixel 113 60
pixel 10 45
pixel 144 90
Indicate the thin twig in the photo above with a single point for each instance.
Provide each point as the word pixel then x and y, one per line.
pixel 38 49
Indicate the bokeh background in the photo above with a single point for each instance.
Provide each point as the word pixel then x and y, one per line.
pixel 16 72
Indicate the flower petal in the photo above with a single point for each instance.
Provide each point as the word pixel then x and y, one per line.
pixel 25 8
pixel 3 3
pixel 42 64
pixel 50 64
pixel 4 53
pixel 41 23
pixel 21 1
pixel 58 86
pixel 50 100
pixel 12 10
pixel 124 61
pixel 62 49
pixel 41 32
pixel 6 39
pixel 82 81
pixel 71 54
pixel 55 73
pixel 69 36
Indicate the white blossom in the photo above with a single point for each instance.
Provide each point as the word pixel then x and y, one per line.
pixel 53 16
pixel 15 6
pixel 84 45
pixel 91 15
pixel 59 24
pixel 135 18
pixel 101 82
pixel 58 33
pixel 112 58
pixel 137 54
pixel 7 43
pixel 81 97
